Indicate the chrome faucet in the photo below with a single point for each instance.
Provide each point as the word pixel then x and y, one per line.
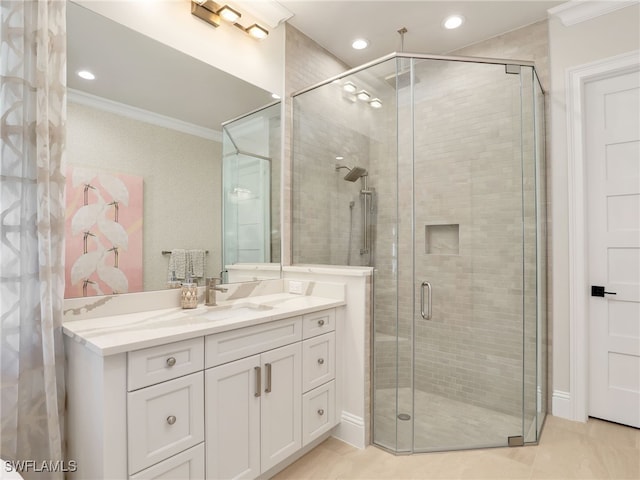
pixel 210 291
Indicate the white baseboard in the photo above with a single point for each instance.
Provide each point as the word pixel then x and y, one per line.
pixel 561 405
pixel 351 430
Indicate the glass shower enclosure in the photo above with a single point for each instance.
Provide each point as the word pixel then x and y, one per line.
pixel 431 170
pixel 251 193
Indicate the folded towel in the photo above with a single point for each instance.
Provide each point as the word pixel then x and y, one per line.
pixel 196 262
pixel 178 263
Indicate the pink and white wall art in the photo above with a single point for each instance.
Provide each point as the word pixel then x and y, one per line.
pixel 103 233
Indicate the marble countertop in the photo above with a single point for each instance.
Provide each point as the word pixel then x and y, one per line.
pixel 114 334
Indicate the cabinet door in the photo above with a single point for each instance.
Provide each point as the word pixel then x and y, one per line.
pixel 281 404
pixel 164 419
pixel 233 419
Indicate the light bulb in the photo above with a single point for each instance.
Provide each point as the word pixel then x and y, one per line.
pixel 350 87
pixel 363 95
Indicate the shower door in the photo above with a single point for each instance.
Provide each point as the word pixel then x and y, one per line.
pixel 463 270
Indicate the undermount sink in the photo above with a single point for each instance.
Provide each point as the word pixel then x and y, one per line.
pixel 220 312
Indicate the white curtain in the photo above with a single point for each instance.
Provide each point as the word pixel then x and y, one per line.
pixel 32 139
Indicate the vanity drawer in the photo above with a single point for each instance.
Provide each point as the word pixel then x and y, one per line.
pixel 318 361
pixel 318 323
pixel 318 412
pixel 243 342
pixel 164 419
pixel 158 364
pixel 188 465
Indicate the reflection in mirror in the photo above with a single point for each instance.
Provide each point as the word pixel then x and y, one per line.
pixel 144 160
pixel 251 195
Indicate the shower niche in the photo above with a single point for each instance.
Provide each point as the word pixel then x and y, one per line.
pixel 442 239
pixel 452 153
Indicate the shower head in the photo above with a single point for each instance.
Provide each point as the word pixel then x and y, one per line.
pixel 401 79
pixel 355 173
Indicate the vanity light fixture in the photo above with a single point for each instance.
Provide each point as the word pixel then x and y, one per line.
pixel 86 74
pixel 256 31
pixel 229 14
pixel 363 95
pixel 350 87
pixel 213 14
pixel 375 103
pixel 453 21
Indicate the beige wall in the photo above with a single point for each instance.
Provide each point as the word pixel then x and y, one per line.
pixel 182 182
pixel 589 41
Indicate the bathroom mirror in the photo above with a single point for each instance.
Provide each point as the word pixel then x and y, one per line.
pixel 145 162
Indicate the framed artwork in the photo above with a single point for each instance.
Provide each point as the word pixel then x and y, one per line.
pixel 103 233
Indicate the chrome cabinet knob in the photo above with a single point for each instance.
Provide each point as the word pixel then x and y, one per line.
pixel 320 411
pixel 171 419
pixel 320 322
pixel 171 361
pixel 321 361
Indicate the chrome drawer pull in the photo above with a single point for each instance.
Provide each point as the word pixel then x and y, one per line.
pixel 320 411
pixel 171 420
pixel 171 361
pixel 321 361
pixel 321 322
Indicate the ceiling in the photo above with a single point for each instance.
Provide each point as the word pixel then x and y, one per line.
pixel 133 69
pixel 335 24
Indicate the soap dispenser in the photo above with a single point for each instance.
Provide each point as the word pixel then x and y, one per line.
pixel 189 293
pixel 172 281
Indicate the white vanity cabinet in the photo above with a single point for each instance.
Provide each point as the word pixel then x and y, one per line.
pixel 253 408
pixel 253 413
pixel 233 404
pixel 265 407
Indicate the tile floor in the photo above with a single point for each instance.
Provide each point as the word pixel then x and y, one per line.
pixel 567 450
pixel 439 422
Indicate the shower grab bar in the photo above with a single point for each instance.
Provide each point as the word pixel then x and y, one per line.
pixel 426 316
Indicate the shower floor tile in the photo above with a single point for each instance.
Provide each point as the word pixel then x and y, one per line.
pixel 440 423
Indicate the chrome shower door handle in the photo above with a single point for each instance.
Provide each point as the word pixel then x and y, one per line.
pixel 427 315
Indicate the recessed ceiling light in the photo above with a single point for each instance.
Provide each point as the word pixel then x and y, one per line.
pixel 350 87
pixel 86 74
pixel 360 43
pixel 375 103
pixel 275 96
pixel 453 21
pixel 339 157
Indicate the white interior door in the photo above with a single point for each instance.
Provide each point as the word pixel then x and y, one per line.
pixel 612 115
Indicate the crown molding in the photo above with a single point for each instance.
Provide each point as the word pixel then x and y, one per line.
pixel 146 116
pixel 578 11
pixel 268 11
